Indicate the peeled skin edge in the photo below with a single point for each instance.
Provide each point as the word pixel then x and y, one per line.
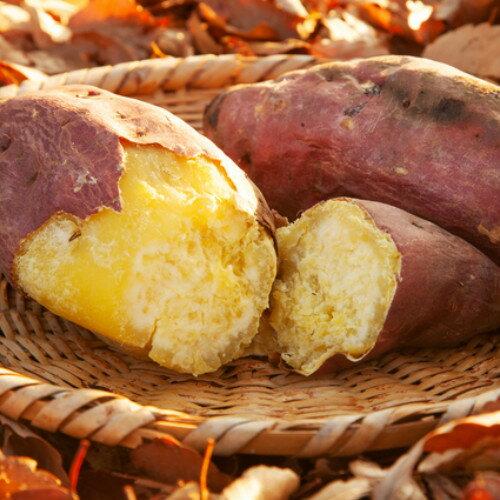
pixel 335 287
pixel 359 278
pixel 181 273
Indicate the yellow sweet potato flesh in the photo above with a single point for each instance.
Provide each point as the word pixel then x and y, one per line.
pixel 337 279
pixel 180 272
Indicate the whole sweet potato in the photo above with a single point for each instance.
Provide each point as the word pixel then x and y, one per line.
pixel 117 215
pixel 360 278
pixel 406 131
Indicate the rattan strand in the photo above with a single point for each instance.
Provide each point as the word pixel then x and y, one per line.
pixel 60 377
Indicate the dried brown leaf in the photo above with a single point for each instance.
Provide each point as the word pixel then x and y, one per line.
pixel 189 491
pixel 460 12
pixel 352 489
pixel 411 19
pixel 256 20
pixel 346 37
pixel 484 486
pixel 45 30
pixel 294 7
pixel 203 40
pixel 20 479
pixel 17 439
pixel 463 433
pixel 283 47
pixel 11 73
pixel 60 10
pixel 169 461
pixel 236 45
pixel 59 59
pixel 474 49
pixel 263 483
pixel 175 42
pixel 471 443
pixel 11 54
pixel 13 17
pixel 442 487
pixel 102 485
pixel 99 11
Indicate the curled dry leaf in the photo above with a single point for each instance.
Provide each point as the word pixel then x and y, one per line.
pixel 470 443
pixel 442 487
pixel 474 49
pixel 263 483
pixel 189 491
pixel 13 17
pixel 45 30
pixel 17 439
pixel 484 486
pixel 9 53
pixel 466 444
pixel 348 37
pixel 411 19
pixel 169 461
pixel 203 40
pixel 293 7
pixel 282 47
pixel 110 32
pixel 16 73
pixel 98 11
pixel 21 480
pixel 175 42
pixel 460 12
pixel 352 489
pixel 258 20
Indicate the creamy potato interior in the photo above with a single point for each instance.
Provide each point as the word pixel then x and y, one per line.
pixel 337 279
pixel 180 272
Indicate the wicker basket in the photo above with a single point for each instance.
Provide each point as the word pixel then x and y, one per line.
pixel 60 377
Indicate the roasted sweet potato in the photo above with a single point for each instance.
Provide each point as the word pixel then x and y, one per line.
pixel 360 278
pixel 118 216
pixel 406 131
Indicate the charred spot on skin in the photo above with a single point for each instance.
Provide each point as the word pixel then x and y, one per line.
pixel 32 179
pixel 5 142
pixel 448 110
pixel 416 224
pixel 140 132
pixel 355 110
pixel 120 115
pixel 246 158
pixel 398 92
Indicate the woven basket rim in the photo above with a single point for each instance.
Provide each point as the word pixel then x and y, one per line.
pixel 113 419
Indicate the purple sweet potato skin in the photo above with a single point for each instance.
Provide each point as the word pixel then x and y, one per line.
pixel 60 151
pixel 406 131
pixel 448 291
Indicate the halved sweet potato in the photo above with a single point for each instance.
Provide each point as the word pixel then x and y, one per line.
pixel 406 131
pixel 360 278
pixel 117 215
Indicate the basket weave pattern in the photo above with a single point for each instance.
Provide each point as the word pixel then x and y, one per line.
pixel 60 377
